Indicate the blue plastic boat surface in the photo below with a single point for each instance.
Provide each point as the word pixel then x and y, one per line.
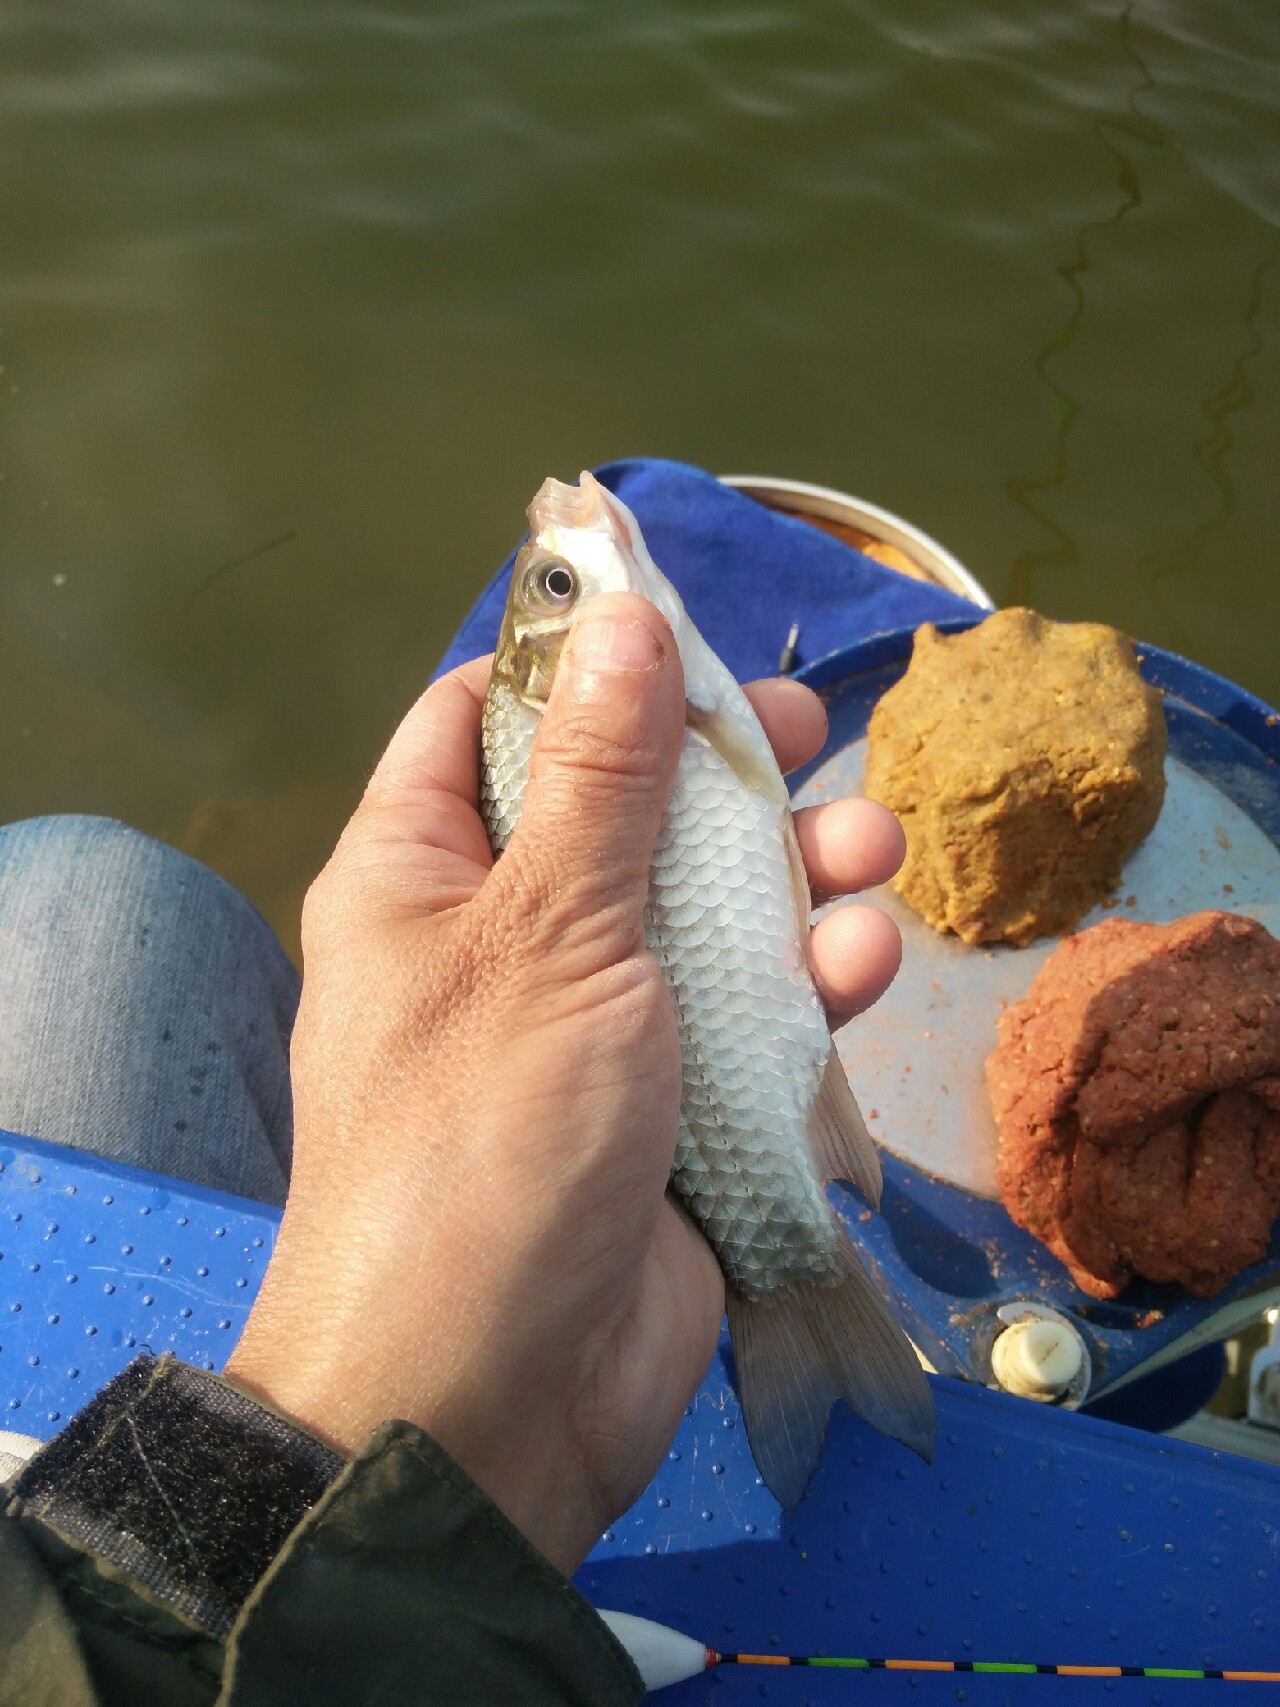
pixel 1036 1535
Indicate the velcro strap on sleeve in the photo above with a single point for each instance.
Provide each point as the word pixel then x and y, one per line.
pixel 181 1480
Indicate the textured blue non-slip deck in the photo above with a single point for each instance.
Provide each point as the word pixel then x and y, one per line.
pixel 1036 1535
pixel 98 1262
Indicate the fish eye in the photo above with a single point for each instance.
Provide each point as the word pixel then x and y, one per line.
pixel 555 583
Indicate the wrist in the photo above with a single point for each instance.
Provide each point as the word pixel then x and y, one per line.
pixel 528 1468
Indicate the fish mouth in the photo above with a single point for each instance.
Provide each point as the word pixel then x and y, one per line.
pixel 556 504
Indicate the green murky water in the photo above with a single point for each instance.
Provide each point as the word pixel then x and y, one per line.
pixel 299 303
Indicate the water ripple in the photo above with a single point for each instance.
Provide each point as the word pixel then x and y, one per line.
pixel 359 275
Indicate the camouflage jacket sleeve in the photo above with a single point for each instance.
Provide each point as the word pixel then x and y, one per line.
pixel 180 1544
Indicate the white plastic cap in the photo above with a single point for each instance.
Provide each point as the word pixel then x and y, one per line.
pixel 1037 1359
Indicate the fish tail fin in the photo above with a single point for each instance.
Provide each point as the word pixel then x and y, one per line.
pixel 800 1350
pixel 784 1389
pixel 843 1146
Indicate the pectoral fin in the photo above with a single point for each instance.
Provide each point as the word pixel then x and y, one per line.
pixel 743 746
pixel 801 894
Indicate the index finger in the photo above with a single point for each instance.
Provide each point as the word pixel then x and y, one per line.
pixel 436 745
pixel 426 786
pixel 793 718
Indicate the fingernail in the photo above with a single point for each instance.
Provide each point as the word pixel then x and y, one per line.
pixel 614 643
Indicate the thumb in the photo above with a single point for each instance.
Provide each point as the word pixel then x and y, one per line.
pixel 600 773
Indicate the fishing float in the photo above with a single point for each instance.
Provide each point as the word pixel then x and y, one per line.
pixel 664 1656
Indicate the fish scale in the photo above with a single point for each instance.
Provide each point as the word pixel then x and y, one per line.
pixel 753 1037
pixel 507 732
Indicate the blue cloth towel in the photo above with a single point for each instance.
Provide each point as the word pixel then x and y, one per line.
pixel 745 573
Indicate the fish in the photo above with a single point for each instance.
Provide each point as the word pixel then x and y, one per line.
pixel 767 1114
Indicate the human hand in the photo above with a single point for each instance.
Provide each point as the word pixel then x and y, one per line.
pixel 487 1088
